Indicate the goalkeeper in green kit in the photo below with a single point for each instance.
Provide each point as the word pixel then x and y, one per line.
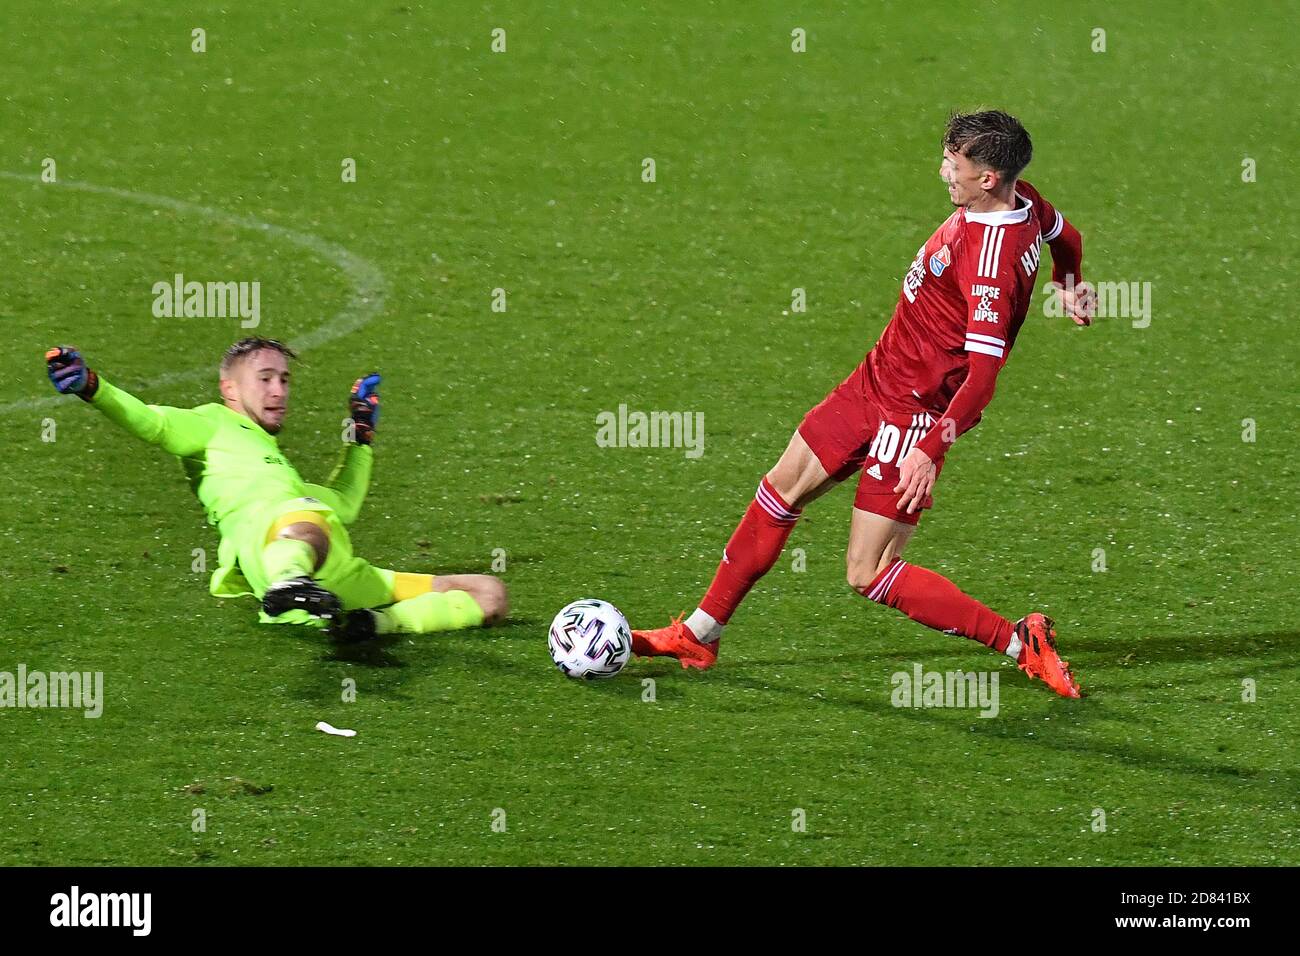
pixel 284 540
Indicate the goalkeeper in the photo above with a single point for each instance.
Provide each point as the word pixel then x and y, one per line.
pixel 282 539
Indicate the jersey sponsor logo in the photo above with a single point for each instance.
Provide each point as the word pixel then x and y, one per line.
pixel 984 311
pixel 1030 259
pixel 940 261
pixel 915 276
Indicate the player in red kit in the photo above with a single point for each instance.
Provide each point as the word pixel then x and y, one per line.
pixel 926 381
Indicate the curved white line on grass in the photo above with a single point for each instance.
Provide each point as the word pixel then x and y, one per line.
pixel 368 284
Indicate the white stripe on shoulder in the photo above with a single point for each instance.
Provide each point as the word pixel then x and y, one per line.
pixel 997 252
pixel 990 339
pixel 984 249
pixel 1056 228
pixel 984 349
pixel 988 256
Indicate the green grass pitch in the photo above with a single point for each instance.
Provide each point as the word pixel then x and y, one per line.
pixel 522 171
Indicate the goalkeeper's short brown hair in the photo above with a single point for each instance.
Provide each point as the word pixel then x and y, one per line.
pixel 245 347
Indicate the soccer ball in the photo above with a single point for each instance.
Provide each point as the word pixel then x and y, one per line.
pixel 590 638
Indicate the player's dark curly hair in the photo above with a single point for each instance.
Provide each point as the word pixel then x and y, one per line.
pixel 991 138
pixel 248 346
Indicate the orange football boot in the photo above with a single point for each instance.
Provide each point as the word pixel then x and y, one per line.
pixel 1038 657
pixel 676 640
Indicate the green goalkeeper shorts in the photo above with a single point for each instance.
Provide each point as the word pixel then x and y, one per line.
pixel 354 581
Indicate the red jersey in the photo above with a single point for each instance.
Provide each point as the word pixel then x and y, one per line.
pixel 968 290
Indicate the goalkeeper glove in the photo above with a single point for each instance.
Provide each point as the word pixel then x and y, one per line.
pixel 363 408
pixel 68 372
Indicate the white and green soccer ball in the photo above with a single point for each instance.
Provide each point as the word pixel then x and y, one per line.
pixel 589 639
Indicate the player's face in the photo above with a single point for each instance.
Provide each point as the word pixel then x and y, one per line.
pixel 261 388
pixel 965 180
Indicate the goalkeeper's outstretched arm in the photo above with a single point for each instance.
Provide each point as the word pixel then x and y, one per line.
pixel 178 431
pixel 350 479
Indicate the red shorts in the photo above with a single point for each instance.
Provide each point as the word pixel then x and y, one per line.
pixel 847 432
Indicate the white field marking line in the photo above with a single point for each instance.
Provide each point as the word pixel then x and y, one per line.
pixel 369 287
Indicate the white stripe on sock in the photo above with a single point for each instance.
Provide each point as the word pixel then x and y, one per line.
pixel 768 502
pixel 881 590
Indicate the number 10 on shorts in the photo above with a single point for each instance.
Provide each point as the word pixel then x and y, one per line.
pixel 891 442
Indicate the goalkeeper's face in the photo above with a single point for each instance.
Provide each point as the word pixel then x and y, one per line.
pixel 258 386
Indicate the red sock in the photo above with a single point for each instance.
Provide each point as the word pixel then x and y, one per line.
pixel 753 549
pixel 933 600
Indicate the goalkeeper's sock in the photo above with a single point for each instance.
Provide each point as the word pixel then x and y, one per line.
pixel 285 558
pixel 429 612
pixel 931 599
pixel 750 553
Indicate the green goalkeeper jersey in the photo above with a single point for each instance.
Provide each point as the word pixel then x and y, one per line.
pixel 234 466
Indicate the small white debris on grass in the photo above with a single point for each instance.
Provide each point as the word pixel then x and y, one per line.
pixel 336 731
